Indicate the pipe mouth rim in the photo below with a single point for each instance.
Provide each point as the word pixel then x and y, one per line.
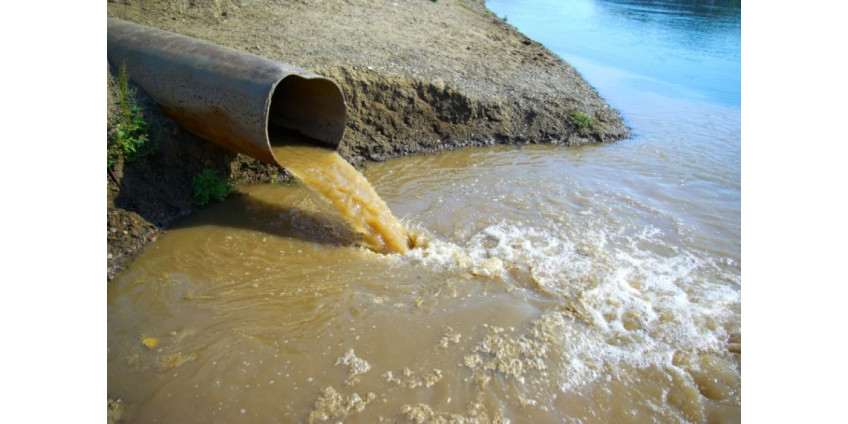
pixel 305 107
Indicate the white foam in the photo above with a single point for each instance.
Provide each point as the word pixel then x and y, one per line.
pixel 635 300
pixel 438 254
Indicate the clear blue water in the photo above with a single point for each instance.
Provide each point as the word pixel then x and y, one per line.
pixel 676 48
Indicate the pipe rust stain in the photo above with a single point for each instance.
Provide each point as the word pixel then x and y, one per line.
pixel 217 126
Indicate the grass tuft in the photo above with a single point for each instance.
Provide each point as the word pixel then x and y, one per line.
pixel 129 140
pixel 209 186
pixel 582 120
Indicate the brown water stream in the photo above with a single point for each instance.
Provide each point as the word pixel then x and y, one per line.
pixel 331 176
pixel 582 301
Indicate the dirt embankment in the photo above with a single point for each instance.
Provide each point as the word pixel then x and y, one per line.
pixel 418 76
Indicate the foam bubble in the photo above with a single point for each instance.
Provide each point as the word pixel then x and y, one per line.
pixel 438 254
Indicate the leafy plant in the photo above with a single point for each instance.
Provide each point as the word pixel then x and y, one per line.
pixel 209 186
pixel 129 140
pixel 581 120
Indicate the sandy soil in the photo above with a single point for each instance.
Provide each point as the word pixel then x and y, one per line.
pixel 418 76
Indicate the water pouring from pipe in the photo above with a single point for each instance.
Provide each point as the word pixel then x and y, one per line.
pixel 247 103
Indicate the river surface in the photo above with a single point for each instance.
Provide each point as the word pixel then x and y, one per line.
pixel 549 284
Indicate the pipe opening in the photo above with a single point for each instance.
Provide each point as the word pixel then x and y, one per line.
pixel 311 108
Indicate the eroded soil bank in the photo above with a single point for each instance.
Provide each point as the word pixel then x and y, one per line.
pixel 418 76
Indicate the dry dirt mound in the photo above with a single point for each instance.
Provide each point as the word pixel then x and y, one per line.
pixel 417 75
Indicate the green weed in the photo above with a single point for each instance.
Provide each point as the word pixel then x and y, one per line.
pixel 129 140
pixel 209 186
pixel 581 120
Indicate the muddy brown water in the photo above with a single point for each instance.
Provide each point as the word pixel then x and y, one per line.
pixel 543 289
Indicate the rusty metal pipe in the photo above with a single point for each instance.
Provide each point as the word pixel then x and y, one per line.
pixel 238 100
